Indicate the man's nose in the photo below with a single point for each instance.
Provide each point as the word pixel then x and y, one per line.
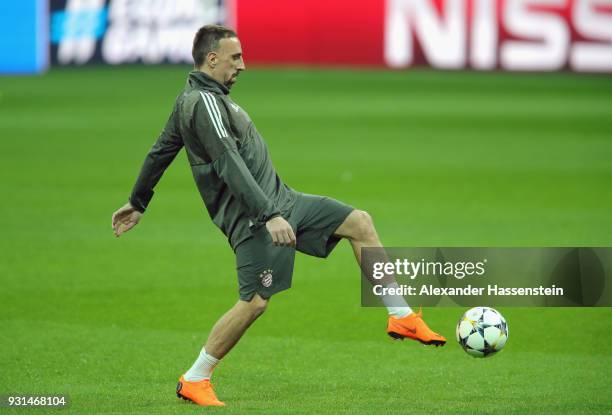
pixel 241 65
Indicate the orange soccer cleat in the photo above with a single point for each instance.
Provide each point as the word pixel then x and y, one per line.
pixel 413 327
pixel 200 392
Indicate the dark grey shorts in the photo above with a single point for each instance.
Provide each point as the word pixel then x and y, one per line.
pixel 267 269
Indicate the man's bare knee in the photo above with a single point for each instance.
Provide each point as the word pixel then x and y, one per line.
pixel 361 226
pixel 257 306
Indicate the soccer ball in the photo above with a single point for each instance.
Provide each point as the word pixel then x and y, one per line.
pixel 482 331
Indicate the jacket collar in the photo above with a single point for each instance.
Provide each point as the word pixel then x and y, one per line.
pixel 199 79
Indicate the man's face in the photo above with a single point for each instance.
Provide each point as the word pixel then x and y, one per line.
pixel 227 61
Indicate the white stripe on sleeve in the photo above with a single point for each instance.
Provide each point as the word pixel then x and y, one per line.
pixel 212 117
pixel 216 111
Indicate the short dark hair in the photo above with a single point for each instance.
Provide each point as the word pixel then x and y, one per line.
pixel 207 40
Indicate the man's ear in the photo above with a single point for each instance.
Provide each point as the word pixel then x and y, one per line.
pixel 211 59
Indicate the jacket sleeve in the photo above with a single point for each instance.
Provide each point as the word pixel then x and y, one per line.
pixel 163 152
pixel 212 127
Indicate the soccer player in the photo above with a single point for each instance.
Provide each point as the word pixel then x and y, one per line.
pixel 264 220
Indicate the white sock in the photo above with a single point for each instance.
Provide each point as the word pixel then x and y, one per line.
pixel 396 304
pixel 202 368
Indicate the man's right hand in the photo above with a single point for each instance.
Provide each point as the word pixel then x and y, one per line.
pixel 281 232
pixel 125 219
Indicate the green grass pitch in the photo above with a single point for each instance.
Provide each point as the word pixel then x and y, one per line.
pixel 438 159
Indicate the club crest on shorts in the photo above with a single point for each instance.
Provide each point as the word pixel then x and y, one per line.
pixel 266 278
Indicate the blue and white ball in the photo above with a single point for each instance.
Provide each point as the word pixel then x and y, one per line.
pixel 482 331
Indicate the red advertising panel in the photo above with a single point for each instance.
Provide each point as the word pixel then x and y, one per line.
pixel 527 35
pixel 306 31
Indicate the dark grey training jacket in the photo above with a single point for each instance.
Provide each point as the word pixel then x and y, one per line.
pixel 229 160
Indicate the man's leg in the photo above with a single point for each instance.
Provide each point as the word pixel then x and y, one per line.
pixel 230 328
pixel 195 384
pixel 359 229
